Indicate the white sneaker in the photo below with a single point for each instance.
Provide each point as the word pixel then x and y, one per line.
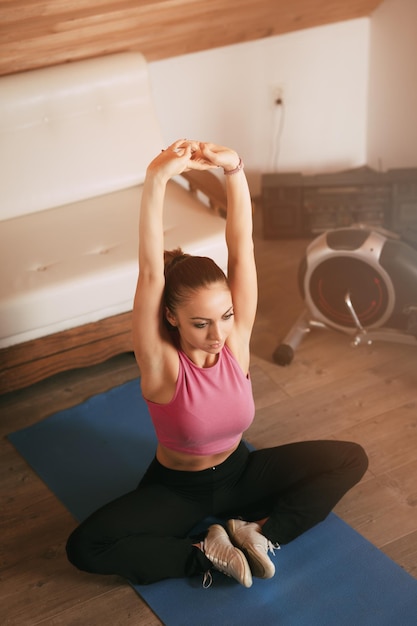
pixel 248 536
pixel 225 556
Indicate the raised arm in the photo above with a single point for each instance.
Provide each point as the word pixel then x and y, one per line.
pixel 241 261
pixel 151 345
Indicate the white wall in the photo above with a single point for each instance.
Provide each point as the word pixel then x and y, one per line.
pixel 392 112
pixel 224 95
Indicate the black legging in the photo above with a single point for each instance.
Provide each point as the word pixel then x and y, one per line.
pixel 145 535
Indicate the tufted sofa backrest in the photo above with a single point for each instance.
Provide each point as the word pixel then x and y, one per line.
pixel 75 131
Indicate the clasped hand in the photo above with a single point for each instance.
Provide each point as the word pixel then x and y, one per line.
pixel 185 155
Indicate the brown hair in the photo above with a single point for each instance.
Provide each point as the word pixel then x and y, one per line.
pixel 185 274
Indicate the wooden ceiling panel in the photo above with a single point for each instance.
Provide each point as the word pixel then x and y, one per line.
pixel 37 33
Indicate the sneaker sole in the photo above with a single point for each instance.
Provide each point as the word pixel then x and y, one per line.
pixel 260 567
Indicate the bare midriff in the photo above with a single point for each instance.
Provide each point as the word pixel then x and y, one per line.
pixel 185 462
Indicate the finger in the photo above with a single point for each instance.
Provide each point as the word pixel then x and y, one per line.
pixel 177 144
pixel 176 147
pixel 181 143
pixel 207 150
pixel 181 150
pixel 194 145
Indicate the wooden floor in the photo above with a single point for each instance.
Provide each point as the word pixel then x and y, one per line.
pixel 331 390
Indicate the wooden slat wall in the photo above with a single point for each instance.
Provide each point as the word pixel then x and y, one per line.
pixel 37 33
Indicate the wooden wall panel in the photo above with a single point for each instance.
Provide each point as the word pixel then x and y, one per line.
pixel 37 33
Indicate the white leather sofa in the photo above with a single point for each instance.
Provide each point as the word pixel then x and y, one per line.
pixel 75 141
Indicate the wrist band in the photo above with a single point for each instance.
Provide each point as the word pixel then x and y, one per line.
pixel 237 169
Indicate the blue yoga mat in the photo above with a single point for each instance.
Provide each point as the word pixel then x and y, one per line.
pixel 330 576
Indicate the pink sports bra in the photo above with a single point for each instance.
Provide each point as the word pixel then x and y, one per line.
pixel 210 409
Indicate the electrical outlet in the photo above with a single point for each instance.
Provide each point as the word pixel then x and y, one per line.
pixel 277 94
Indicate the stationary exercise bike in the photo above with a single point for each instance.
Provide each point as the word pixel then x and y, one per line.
pixel 361 281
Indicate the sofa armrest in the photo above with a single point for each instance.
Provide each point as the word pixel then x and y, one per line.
pixel 208 184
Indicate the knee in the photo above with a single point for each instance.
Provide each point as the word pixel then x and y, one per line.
pixel 358 459
pixel 79 551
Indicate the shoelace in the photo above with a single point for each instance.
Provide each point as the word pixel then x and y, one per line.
pixel 218 564
pixel 271 547
pixel 207 580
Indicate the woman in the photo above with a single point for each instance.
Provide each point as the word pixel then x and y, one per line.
pixel 192 328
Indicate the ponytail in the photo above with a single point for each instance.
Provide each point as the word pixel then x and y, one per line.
pixel 172 257
pixel 185 274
